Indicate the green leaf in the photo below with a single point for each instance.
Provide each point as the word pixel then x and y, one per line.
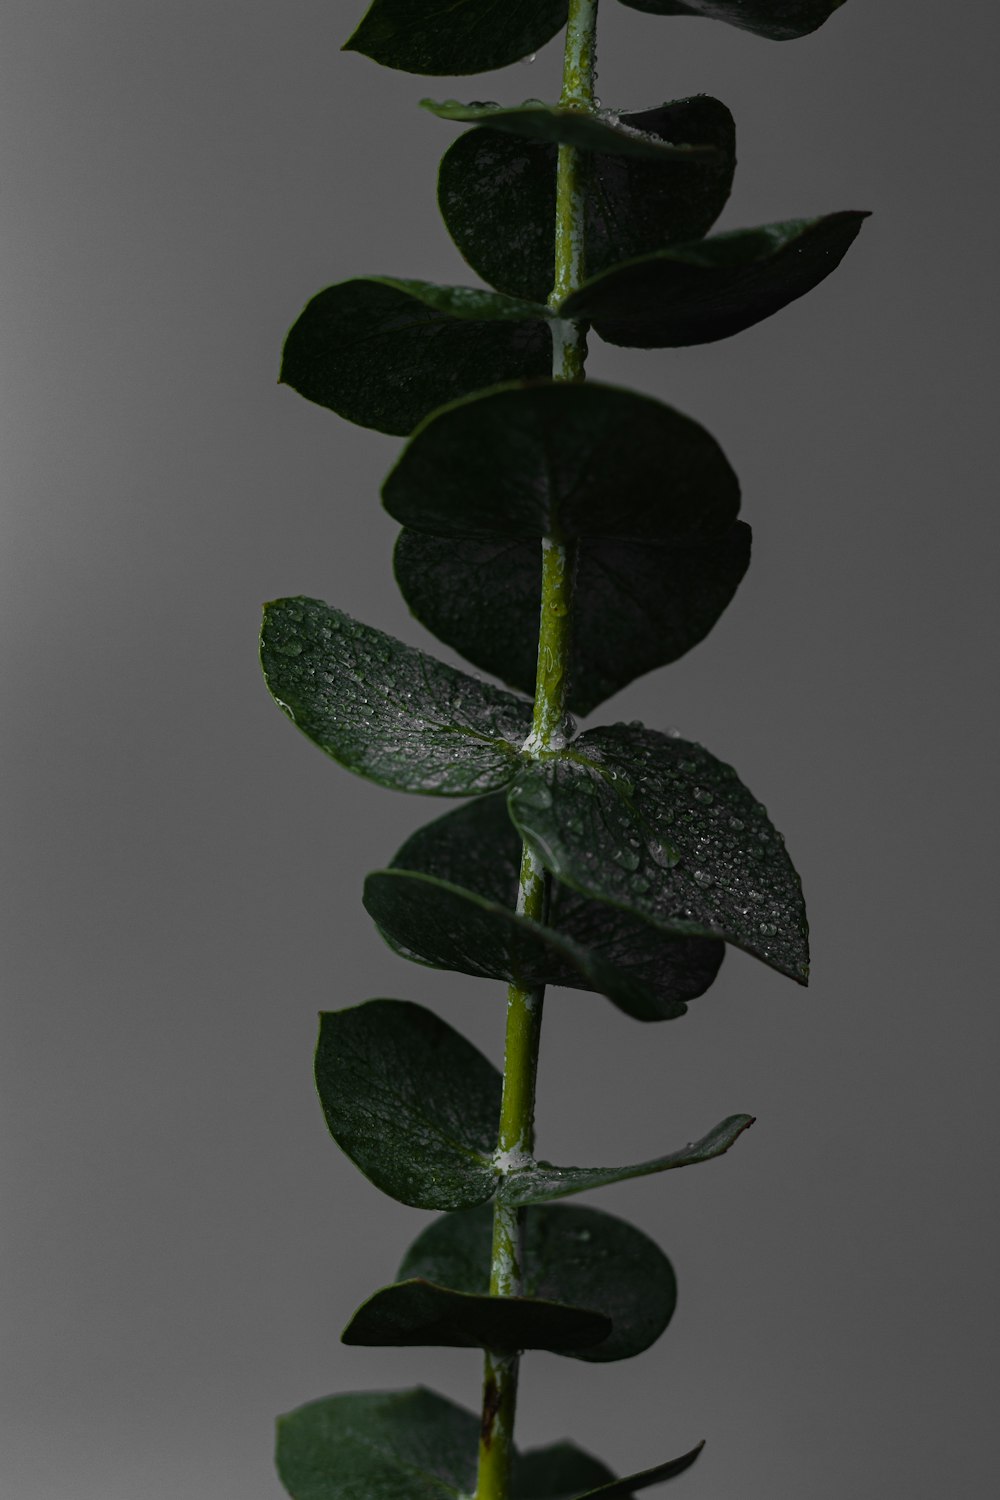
pixel 446 927
pixel 560 1471
pixel 391 1445
pixel 610 132
pixel 709 289
pixel 621 1489
pixel 638 605
pixel 548 458
pixel 387 711
pixel 476 848
pixel 464 36
pixel 383 352
pixel 419 1313
pixel 780 20
pixel 413 1104
pixel 497 187
pixel 659 827
pixel 542 1182
pixel 576 1256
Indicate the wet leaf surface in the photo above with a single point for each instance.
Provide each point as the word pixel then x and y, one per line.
pixel 464 36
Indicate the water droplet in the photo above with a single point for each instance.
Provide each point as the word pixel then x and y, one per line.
pixel 627 858
pixel 704 878
pixel 291 647
pixel 768 929
pixel 527 61
pixel 736 824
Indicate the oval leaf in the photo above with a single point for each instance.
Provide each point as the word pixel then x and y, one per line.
pixel 386 711
pixel 413 1104
pixel 548 458
pixel 476 848
pixel 780 20
pixel 637 605
pixel 391 1445
pixel 383 352
pixel 576 1256
pixel 419 1313
pixel 709 289
pixel 465 36
pixel 542 1182
pixel 658 826
pixel 497 189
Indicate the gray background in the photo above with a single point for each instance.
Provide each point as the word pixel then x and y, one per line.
pixel 182 1241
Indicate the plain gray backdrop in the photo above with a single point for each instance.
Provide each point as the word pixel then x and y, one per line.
pixel 182 1240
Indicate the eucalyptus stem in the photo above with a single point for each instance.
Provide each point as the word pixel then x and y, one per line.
pixel 516 1142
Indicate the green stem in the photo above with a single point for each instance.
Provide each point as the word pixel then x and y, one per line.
pixel 516 1141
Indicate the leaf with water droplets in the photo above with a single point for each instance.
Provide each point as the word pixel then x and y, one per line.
pixel 465 36
pixel 546 458
pixel 576 1256
pixel 384 352
pixel 542 1182
pixel 584 944
pixel 653 177
pixel 387 711
pixel 780 20
pixel 637 605
pixel 710 289
pixel 418 1312
pixel 626 801
pixel 385 1445
pixel 412 1103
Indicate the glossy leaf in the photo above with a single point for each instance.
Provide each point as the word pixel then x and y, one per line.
pixel 577 1256
pixel 387 711
pixel 705 290
pixel 413 1104
pixel 638 605
pixel 465 36
pixel 418 1313
pixel 610 132
pixel 542 1182
pixel 383 352
pixel 477 849
pixel 545 458
pixel 496 187
pixel 385 1445
pixel 622 1489
pixel 659 827
pixel 780 20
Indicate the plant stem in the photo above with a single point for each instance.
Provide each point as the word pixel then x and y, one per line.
pixel 516 1141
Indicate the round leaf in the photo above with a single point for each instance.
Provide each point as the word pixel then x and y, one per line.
pixel 419 1313
pixel 413 1104
pixel 577 1256
pixel 548 458
pixel 780 20
pixel 386 1445
pixel 387 711
pixel 637 605
pixel 709 289
pixel 476 848
pixel 465 36
pixel 657 826
pixel 497 187
pixel 383 352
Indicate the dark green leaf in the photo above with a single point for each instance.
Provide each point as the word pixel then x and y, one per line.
pixel 446 927
pixel 608 131
pixel 383 352
pixel 542 1182
pixel 496 187
pixel 659 827
pixel 385 710
pixel 781 20
pixel 391 1445
pixel 559 1472
pixel 420 1313
pixel 547 458
pixel 577 1256
pixel 621 1489
pixel 475 847
pixel 464 36
pixel 638 605
pixel 709 289
pixel 411 1102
